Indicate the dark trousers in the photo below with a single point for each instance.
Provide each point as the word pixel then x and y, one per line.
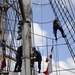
pixel 36 60
pixel 58 28
pixel 18 64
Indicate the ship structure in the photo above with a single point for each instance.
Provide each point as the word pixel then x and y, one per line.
pixel 24 23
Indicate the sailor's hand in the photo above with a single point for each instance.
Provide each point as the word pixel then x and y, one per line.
pixel 58 22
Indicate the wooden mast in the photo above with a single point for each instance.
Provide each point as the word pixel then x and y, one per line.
pixel 3 11
pixel 26 69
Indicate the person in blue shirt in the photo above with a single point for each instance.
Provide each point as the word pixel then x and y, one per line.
pixel 36 58
pixel 56 26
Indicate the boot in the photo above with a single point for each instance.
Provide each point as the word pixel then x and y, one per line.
pixel 64 36
pixel 56 38
pixel 19 37
pixel 39 71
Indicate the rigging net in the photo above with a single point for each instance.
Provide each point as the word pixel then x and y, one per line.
pixel 60 10
pixel 11 17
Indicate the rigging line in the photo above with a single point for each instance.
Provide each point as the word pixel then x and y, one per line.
pixel 64 29
pixel 62 70
pixel 64 19
pixel 62 16
pixel 48 22
pixel 58 10
pixel 72 5
pixel 70 37
pixel 66 39
pixel 60 13
pixel 31 21
pixel 72 43
pixel 8 18
pixel 12 34
pixel 14 26
pixel 8 29
pixel 69 70
pixel 65 69
pixel 74 49
pixel 43 22
pixel 69 15
pixel 42 36
pixel 10 53
pixel 71 52
pixel 47 46
pixel 42 29
pixel 11 5
pixel 8 66
pixel 41 4
pixel 17 16
pixel 56 59
pixel 7 26
pixel 51 45
pixel 66 34
pixel 33 37
pixel 52 7
pixel 71 8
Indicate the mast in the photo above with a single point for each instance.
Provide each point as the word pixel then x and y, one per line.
pixel 3 9
pixel 25 6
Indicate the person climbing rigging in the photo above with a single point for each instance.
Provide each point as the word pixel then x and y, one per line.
pixel 36 58
pixel 18 59
pixel 56 26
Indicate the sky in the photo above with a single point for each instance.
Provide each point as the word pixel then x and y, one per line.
pixel 61 53
pixel 45 14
